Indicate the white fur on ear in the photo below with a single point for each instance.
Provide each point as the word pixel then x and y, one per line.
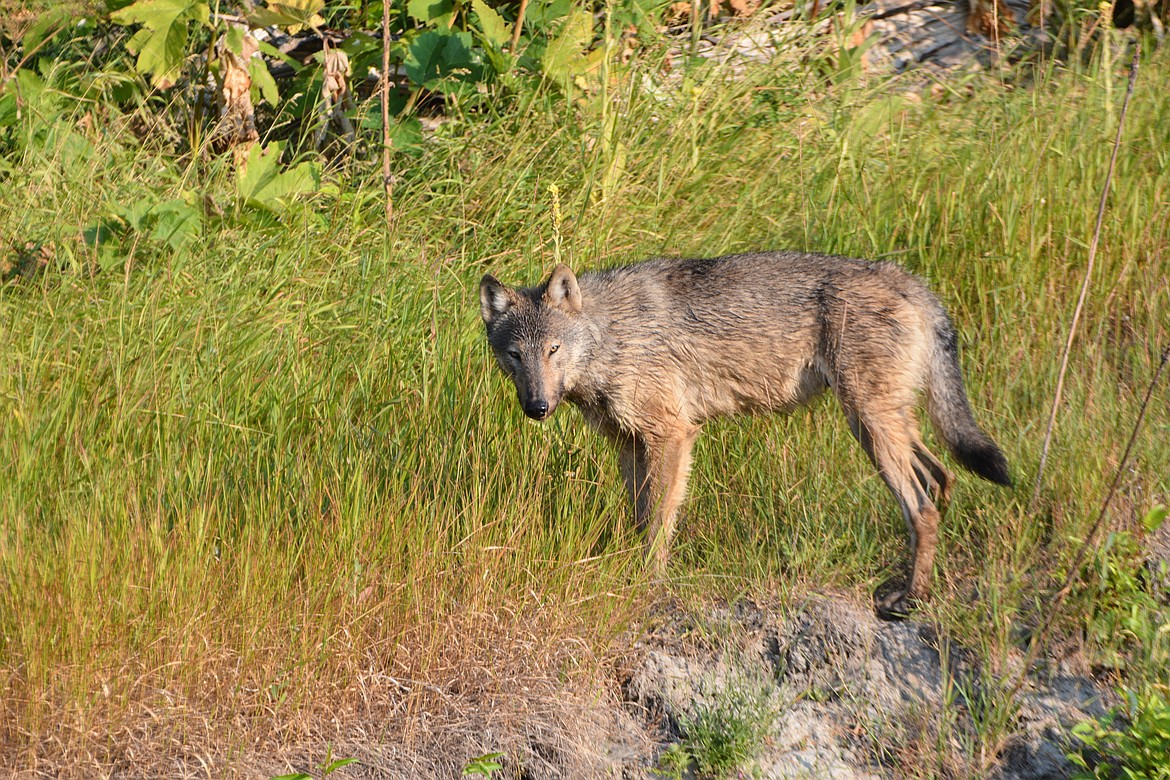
pixel 563 291
pixel 494 298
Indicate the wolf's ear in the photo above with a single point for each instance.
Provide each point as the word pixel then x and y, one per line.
pixel 494 298
pixel 562 291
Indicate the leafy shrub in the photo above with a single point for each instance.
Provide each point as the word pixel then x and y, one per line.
pixel 1131 742
pixel 1119 607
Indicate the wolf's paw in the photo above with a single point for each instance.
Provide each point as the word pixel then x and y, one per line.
pixel 895 605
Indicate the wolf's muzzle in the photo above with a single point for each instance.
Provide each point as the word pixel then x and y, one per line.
pixel 536 409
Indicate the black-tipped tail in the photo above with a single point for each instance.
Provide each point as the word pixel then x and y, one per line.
pixel 983 458
pixel 951 413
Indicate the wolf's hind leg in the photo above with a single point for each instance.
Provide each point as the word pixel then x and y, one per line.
pixel 889 439
pixel 933 476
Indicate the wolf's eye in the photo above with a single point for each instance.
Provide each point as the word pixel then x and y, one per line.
pixel 553 349
pixel 514 354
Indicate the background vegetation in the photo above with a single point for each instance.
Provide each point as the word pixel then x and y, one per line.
pixel 263 490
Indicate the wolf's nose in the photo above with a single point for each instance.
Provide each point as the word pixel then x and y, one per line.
pixel 537 410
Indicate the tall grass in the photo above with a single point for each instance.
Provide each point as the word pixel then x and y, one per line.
pixel 269 491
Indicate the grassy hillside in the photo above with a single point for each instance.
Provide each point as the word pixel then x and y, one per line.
pixel 262 486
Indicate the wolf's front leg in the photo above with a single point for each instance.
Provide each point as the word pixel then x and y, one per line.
pixel 656 468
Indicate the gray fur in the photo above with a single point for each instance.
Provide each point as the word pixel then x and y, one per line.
pixel 650 351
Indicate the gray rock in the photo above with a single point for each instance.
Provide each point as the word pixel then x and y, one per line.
pixel 849 694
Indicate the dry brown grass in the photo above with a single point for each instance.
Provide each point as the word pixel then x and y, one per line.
pixel 525 682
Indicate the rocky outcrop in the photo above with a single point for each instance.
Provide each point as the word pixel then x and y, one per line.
pixel 852 696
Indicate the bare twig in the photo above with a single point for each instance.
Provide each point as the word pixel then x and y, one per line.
pixel 1074 570
pixel 1072 328
pixel 387 178
pixel 519 25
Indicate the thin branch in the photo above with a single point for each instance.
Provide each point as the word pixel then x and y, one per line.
pixel 1072 328
pixel 519 25
pixel 387 178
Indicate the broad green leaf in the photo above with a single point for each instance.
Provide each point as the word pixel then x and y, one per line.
pixel 30 85
pixel 136 213
pixel 162 43
pixel 262 183
pixel 437 54
pixel 565 51
pixel 360 43
pixel 139 40
pixel 424 56
pixel 1154 518
pixel 109 258
pixel 258 170
pixel 406 136
pixel 102 232
pixel 542 16
pixel 502 62
pixel 234 39
pixel 157 14
pixel 262 80
pixel 303 179
pixel 427 11
pixel 491 24
pixel 294 15
pixel 162 55
pixel 177 223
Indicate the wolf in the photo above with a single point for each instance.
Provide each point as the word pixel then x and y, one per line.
pixel 650 351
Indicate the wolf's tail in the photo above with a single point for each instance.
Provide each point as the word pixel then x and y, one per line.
pixel 946 402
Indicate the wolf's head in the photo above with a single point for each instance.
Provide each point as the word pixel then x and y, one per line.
pixel 538 337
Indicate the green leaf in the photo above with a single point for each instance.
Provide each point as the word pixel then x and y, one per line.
pixel 276 54
pixel 137 213
pixel 162 43
pixel 424 56
pixel 258 170
pixel 177 223
pixel 491 24
pixel 303 179
pixel 482 765
pixel 406 136
pixel 104 231
pixel 297 776
pixel 46 25
pixel 427 11
pixel 234 38
pixel 261 182
pixel 542 16
pixel 291 14
pixel 360 43
pixel 8 109
pixel 332 767
pixel 262 80
pixel 436 54
pixel 564 57
pixel 1154 518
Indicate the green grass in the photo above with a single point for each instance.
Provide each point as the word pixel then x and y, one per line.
pixel 271 482
pixel 726 735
